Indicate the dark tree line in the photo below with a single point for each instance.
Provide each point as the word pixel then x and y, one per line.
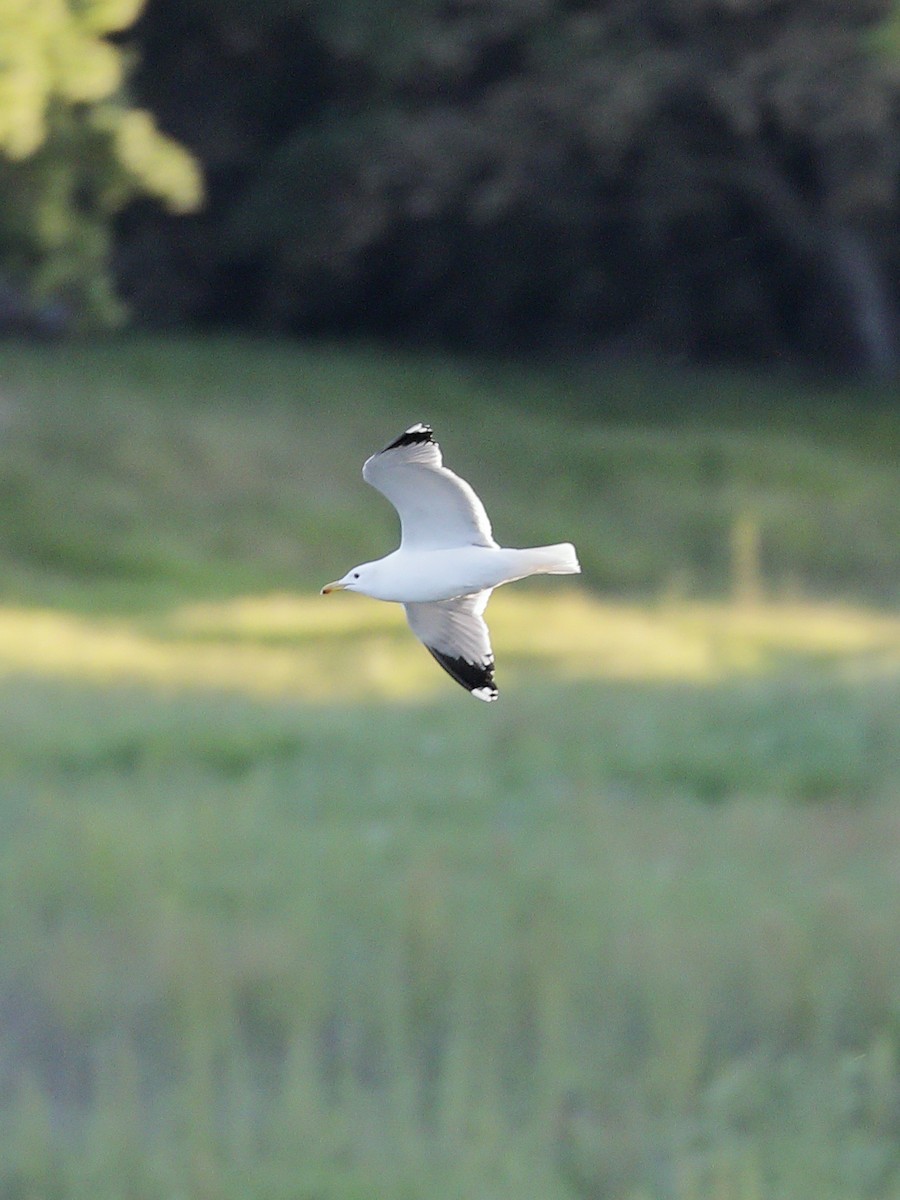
pixel 707 178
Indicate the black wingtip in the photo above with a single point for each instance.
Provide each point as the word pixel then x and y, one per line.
pixel 477 678
pixel 416 435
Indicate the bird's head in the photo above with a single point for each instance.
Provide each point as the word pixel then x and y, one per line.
pixel 353 581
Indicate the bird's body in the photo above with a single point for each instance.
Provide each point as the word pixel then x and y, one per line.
pixel 424 576
pixel 447 563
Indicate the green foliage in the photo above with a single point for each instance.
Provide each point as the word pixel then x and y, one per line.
pixel 711 179
pixel 387 951
pixel 173 467
pixel 614 938
pixel 886 36
pixel 73 153
pixel 55 51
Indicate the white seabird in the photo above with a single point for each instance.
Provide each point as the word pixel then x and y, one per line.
pixel 447 563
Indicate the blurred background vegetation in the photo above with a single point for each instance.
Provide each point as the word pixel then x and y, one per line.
pixel 284 915
pixel 700 178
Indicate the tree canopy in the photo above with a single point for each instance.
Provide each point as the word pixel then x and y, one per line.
pixel 73 152
pixel 705 178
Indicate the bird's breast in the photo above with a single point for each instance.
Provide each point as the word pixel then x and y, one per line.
pixel 424 576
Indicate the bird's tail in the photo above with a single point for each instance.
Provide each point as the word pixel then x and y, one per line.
pixel 553 560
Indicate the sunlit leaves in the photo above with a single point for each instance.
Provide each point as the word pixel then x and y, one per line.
pixel 26 33
pixel 160 164
pixel 107 16
pixel 75 152
pixel 52 50
pixel 87 69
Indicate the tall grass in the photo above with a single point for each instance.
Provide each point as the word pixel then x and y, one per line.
pixel 143 471
pixel 284 915
pixel 261 949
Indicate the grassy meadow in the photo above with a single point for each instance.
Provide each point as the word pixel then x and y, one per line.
pixel 285 915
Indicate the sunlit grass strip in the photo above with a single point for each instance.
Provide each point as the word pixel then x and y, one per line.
pixel 306 647
pixel 60 645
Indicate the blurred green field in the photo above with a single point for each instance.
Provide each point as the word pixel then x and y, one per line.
pixel 145 471
pixel 286 915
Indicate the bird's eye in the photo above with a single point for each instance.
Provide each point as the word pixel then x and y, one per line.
pixel 356 574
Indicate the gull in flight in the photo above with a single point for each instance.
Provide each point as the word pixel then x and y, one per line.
pixel 447 563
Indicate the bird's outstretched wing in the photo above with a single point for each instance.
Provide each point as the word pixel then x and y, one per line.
pixel 455 633
pixel 438 510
